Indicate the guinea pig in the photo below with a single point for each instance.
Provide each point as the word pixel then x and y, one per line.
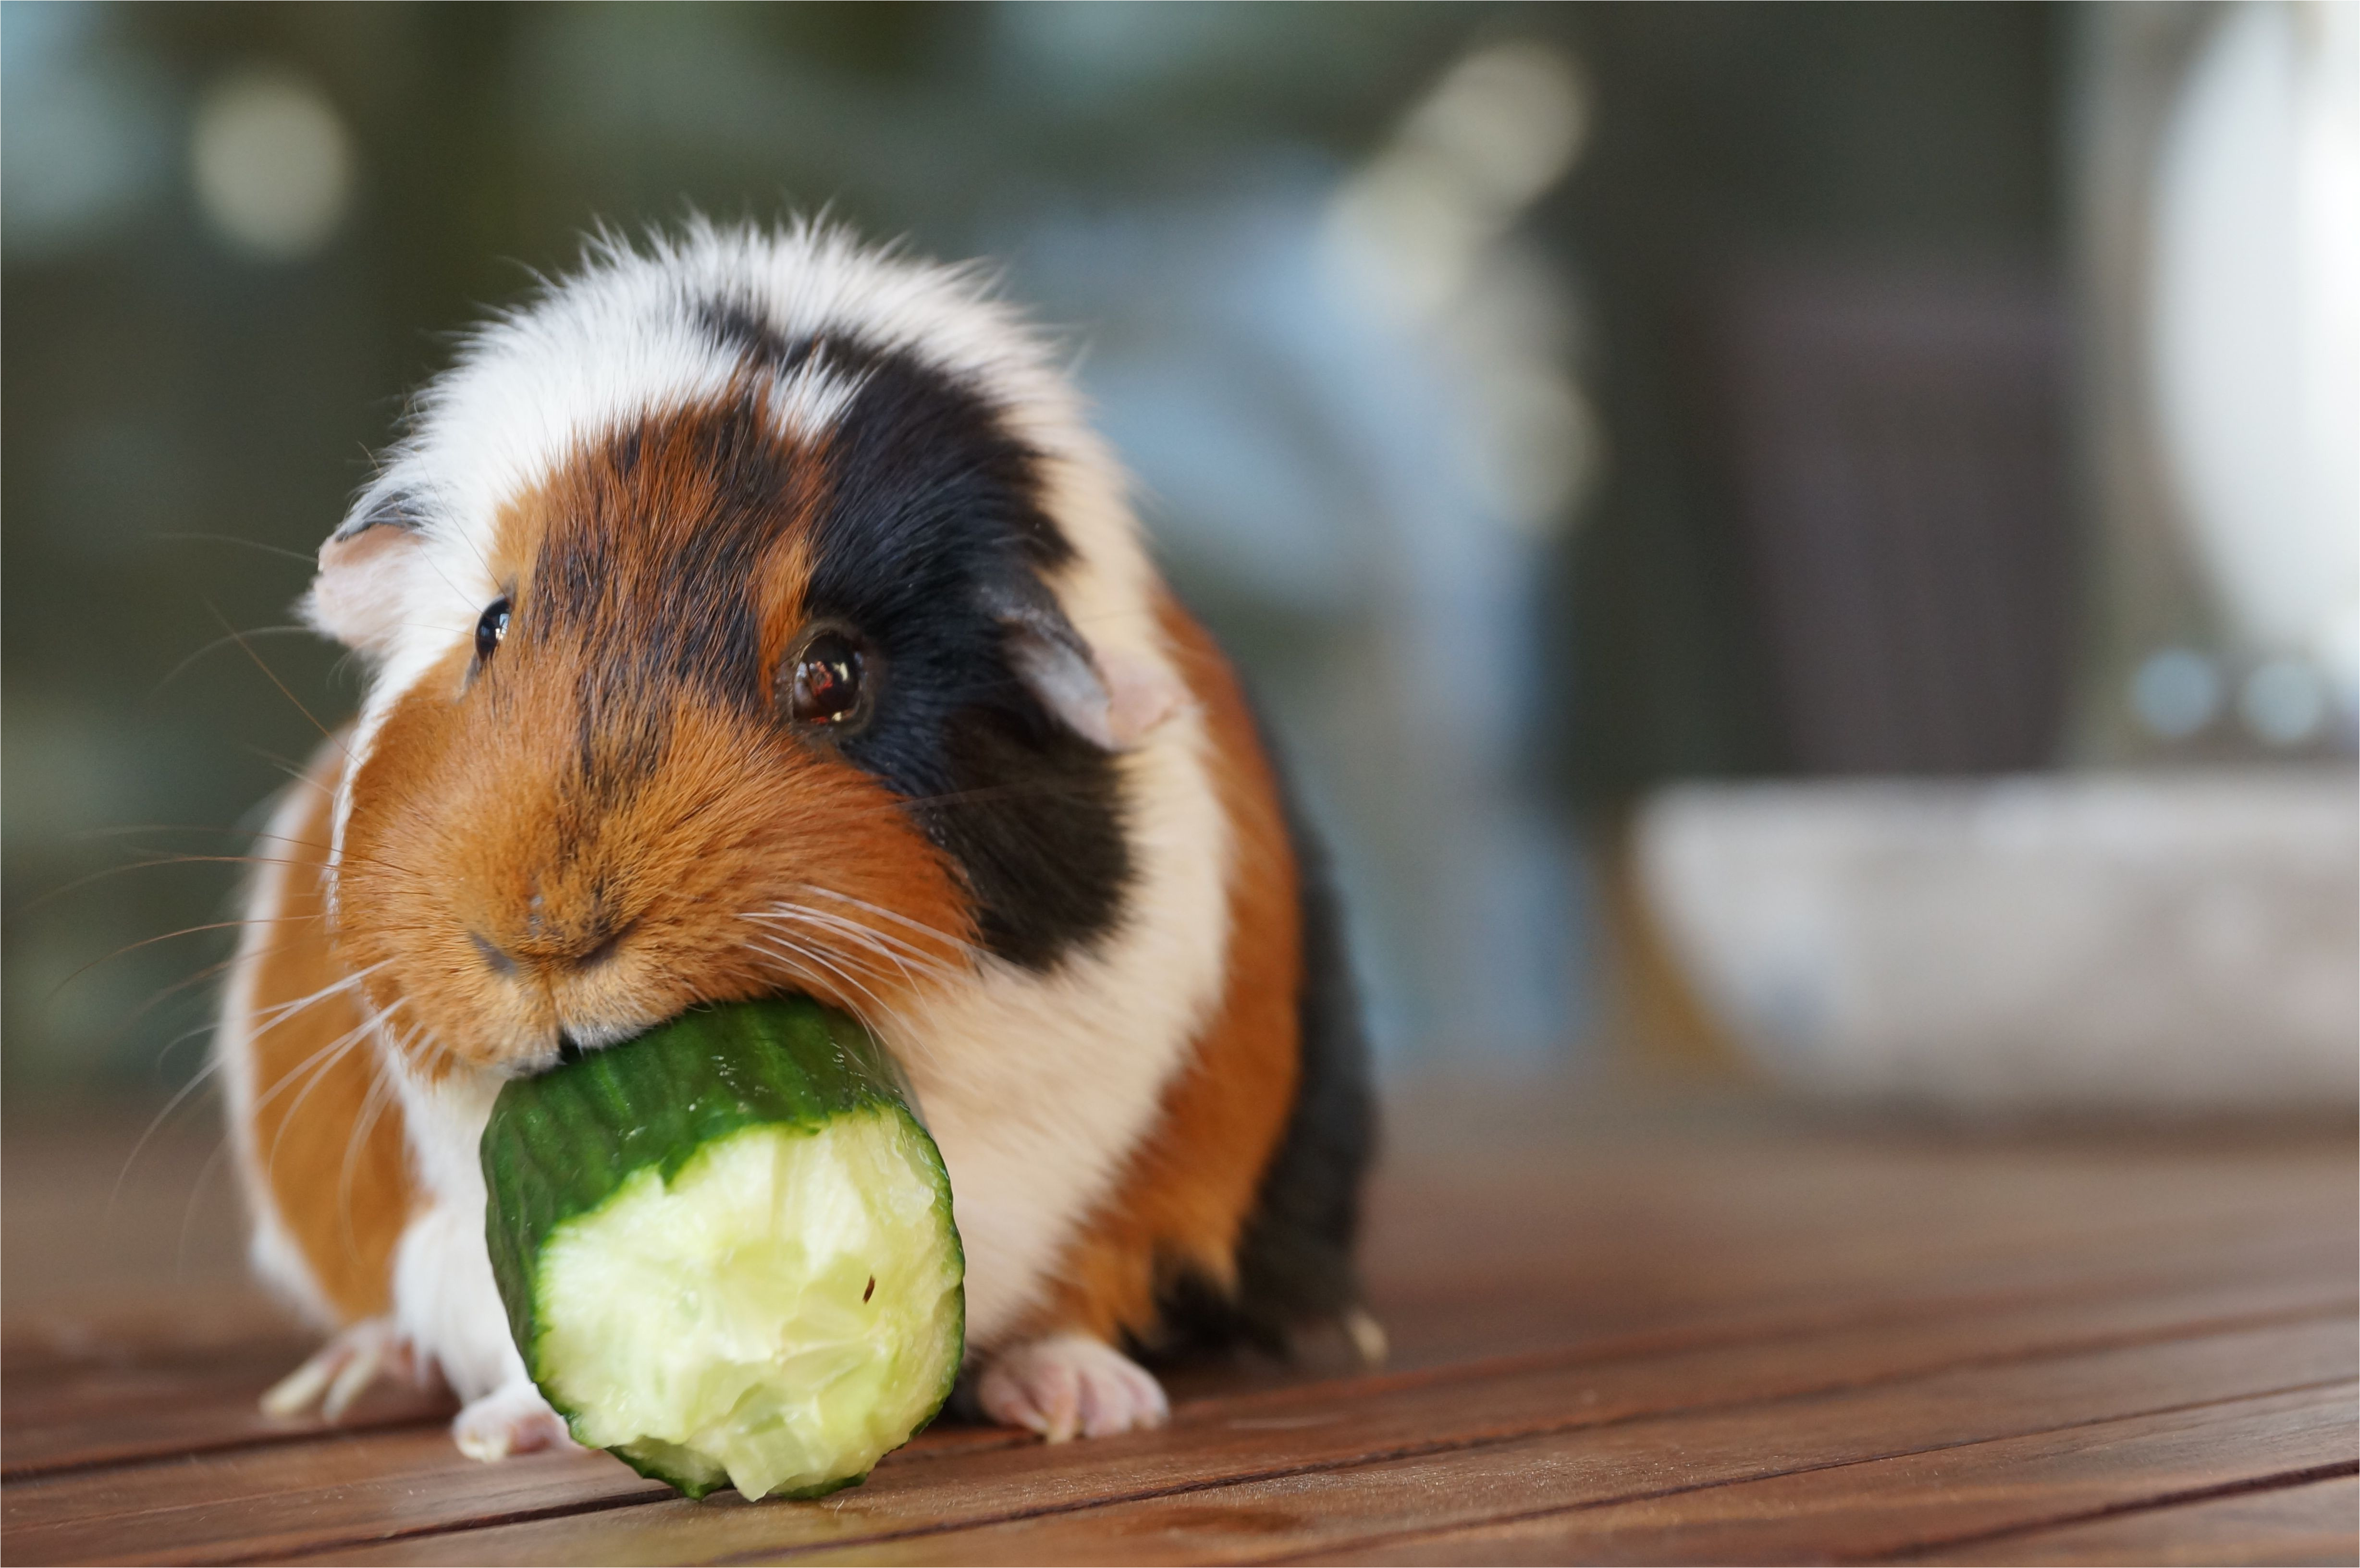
pixel 752 612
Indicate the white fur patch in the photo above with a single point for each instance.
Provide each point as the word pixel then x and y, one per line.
pixel 443 1293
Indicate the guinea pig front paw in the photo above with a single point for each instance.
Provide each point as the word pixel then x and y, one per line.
pixel 511 1418
pixel 1069 1384
pixel 344 1368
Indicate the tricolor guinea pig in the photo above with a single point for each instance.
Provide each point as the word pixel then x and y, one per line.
pixel 752 612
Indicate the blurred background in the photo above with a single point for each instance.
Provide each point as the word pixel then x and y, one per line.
pixel 1817 543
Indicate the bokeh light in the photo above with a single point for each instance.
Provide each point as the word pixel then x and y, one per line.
pixel 271 163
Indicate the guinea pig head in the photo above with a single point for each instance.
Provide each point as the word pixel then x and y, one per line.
pixel 743 711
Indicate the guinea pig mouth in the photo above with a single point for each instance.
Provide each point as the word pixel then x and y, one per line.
pixel 577 1041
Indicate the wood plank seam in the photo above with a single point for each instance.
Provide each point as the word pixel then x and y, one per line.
pixel 2057 1349
pixel 1606 1349
pixel 773 1551
pixel 2280 1481
pixel 1394 1538
pixel 1619 1349
pixel 243 1443
pixel 1417 1450
pixel 516 1516
pixel 2314 1523
pixel 1637 1347
pixel 574 1510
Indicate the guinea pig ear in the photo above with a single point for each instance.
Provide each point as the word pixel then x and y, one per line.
pixel 1112 698
pixel 357 598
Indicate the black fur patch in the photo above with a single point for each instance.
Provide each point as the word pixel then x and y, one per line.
pixel 1295 1262
pixel 934 519
pixel 738 328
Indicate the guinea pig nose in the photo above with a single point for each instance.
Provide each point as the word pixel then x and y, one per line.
pixel 589 951
pixel 497 961
pixel 603 945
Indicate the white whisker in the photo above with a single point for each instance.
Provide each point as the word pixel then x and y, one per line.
pixel 373 1105
pixel 271 1018
pixel 899 953
pixel 893 1014
pixel 318 1065
pixel 930 932
pixel 190 1087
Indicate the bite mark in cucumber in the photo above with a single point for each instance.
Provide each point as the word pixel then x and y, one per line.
pixel 726 1249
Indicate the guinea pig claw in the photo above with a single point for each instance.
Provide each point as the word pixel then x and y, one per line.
pixel 343 1369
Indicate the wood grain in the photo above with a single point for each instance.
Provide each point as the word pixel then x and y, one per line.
pixel 1441 1426
pixel 250 1504
pixel 1879 1510
pixel 106 1413
pixel 1691 1457
pixel 351 1487
pixel 1702 1333
pixel 2317 1522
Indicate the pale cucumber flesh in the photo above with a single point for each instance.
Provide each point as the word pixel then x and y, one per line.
pixel 782 1313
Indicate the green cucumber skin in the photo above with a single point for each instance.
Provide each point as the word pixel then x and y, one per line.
pixel 558 1145
pixel 696 1493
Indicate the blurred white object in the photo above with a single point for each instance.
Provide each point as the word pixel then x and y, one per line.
pixel 272 163
pixel 2256 324
pixel 2158 942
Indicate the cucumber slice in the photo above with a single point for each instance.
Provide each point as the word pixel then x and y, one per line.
pixel 726 1249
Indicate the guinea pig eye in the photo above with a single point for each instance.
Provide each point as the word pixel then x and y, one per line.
pixel 491 627
pixel 826 681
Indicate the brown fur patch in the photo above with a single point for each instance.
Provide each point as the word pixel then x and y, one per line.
pixel 1186 1190
pixel 600 826
pixel 327 1127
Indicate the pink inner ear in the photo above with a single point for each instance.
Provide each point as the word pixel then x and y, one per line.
pixel 356 596
pixel 1112 698
pixel 1141 695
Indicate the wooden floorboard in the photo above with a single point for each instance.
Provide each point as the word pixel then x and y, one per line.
pixel 301 1497
pixel 1351 1506
pixel 1881 1508
pixel 2302 1522
pixel 108 1414
pixel 1224 1443
pixel 1715 1335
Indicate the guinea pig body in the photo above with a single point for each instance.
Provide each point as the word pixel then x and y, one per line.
pixel 757 613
